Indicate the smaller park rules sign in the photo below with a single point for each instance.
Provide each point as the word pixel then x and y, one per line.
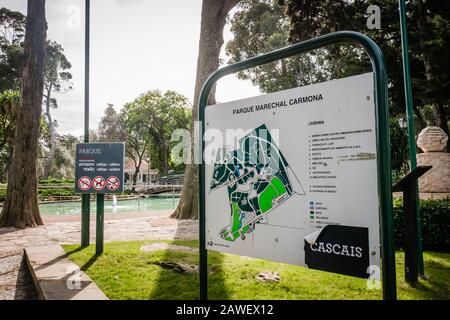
pixel 99 167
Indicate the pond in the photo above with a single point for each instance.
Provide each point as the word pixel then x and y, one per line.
pixel 123 206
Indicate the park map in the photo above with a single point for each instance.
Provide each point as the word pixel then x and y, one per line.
pixel 258 180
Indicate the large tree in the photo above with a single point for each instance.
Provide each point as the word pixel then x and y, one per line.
pixel 429 33
pixel 430 42
pixel 214 15
pixel 109 129
pixel 159 115
pixel 56 79
pixel 259 26
pixel 136 142
pixel 21 204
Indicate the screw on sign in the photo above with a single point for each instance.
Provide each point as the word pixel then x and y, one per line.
pixel 113 183
pixel 98 183
pixel 84 183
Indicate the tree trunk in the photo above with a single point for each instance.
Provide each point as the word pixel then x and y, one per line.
pixel 135 176
pixel 51 152
pixel 52 132
pixel 21 205
pixel 165 159
pixel 214 14
pixel 137 168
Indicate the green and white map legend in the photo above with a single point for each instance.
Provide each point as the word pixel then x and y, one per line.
pixel 286 165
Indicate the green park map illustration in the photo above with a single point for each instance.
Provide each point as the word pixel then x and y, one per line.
pixel 258 179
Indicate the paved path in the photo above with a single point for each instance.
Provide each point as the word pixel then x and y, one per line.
pixel 16 284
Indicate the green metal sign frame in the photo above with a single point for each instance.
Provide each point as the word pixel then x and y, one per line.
pixel 382 137
pixel 411 130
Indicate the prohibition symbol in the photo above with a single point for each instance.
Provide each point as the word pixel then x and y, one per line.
pixel 113 183
pixel 98 183
pixel 84 183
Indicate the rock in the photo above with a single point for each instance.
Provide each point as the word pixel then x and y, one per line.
pixel 268 276
pixel 437 180
pixel 177 267
pixel 432 139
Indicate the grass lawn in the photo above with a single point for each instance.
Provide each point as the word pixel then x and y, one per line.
pixel 125 272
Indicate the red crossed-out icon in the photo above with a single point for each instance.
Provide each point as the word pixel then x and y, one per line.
pixel 84 183
pixel 98 183
pixel 113 183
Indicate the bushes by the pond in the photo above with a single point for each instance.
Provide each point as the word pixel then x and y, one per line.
pixel 56 188
pixel 54 181
pixel 56 192
pixel 435 219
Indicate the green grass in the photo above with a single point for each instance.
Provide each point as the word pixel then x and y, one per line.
pixel 125 272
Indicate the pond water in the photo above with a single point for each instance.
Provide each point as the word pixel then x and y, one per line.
pixel 134 205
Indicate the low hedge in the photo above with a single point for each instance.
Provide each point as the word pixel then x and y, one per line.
pixel 54 181
pixel 435 218
pixel 56 192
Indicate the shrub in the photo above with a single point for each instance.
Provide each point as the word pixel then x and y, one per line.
pixel 56 181
pixel 55 192
pixel 435 219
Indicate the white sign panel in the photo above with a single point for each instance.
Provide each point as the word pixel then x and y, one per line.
pixel 292 177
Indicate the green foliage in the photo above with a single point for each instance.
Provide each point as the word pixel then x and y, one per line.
pixel 152 118
pixel 435 219
pixel 429 34
pixel 9 104
pixel 123 271
pixel 54 181
pixel 56 76
pixel 56 187
pixel 63 192
pixel 109 128
pixel 259 26
pixel 399 151
pixel 12 34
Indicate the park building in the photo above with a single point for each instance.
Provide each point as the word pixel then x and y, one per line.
pixel 146 174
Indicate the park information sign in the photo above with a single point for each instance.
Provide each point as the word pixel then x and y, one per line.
pixel 295 177
pixel 99 168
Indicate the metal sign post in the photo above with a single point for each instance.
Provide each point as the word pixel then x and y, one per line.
pixel 408 185
pixel 85 198
pixel 100 224
pixel 411 129
pixel 382 145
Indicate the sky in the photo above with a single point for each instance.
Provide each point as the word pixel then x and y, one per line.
pixel 136 46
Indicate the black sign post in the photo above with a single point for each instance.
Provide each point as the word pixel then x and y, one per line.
pixel 411 240
pixel 99 169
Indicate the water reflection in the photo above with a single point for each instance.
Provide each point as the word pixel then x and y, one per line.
pixel 121 206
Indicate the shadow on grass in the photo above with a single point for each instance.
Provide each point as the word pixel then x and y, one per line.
pixel 174 285
pixel 89 263
pixel 433 286
pixel 77 249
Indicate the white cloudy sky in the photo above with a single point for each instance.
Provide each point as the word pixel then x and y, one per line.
pixel 136 45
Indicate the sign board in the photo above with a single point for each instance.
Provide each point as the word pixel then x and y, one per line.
pixel 99 167
pixel 293 177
